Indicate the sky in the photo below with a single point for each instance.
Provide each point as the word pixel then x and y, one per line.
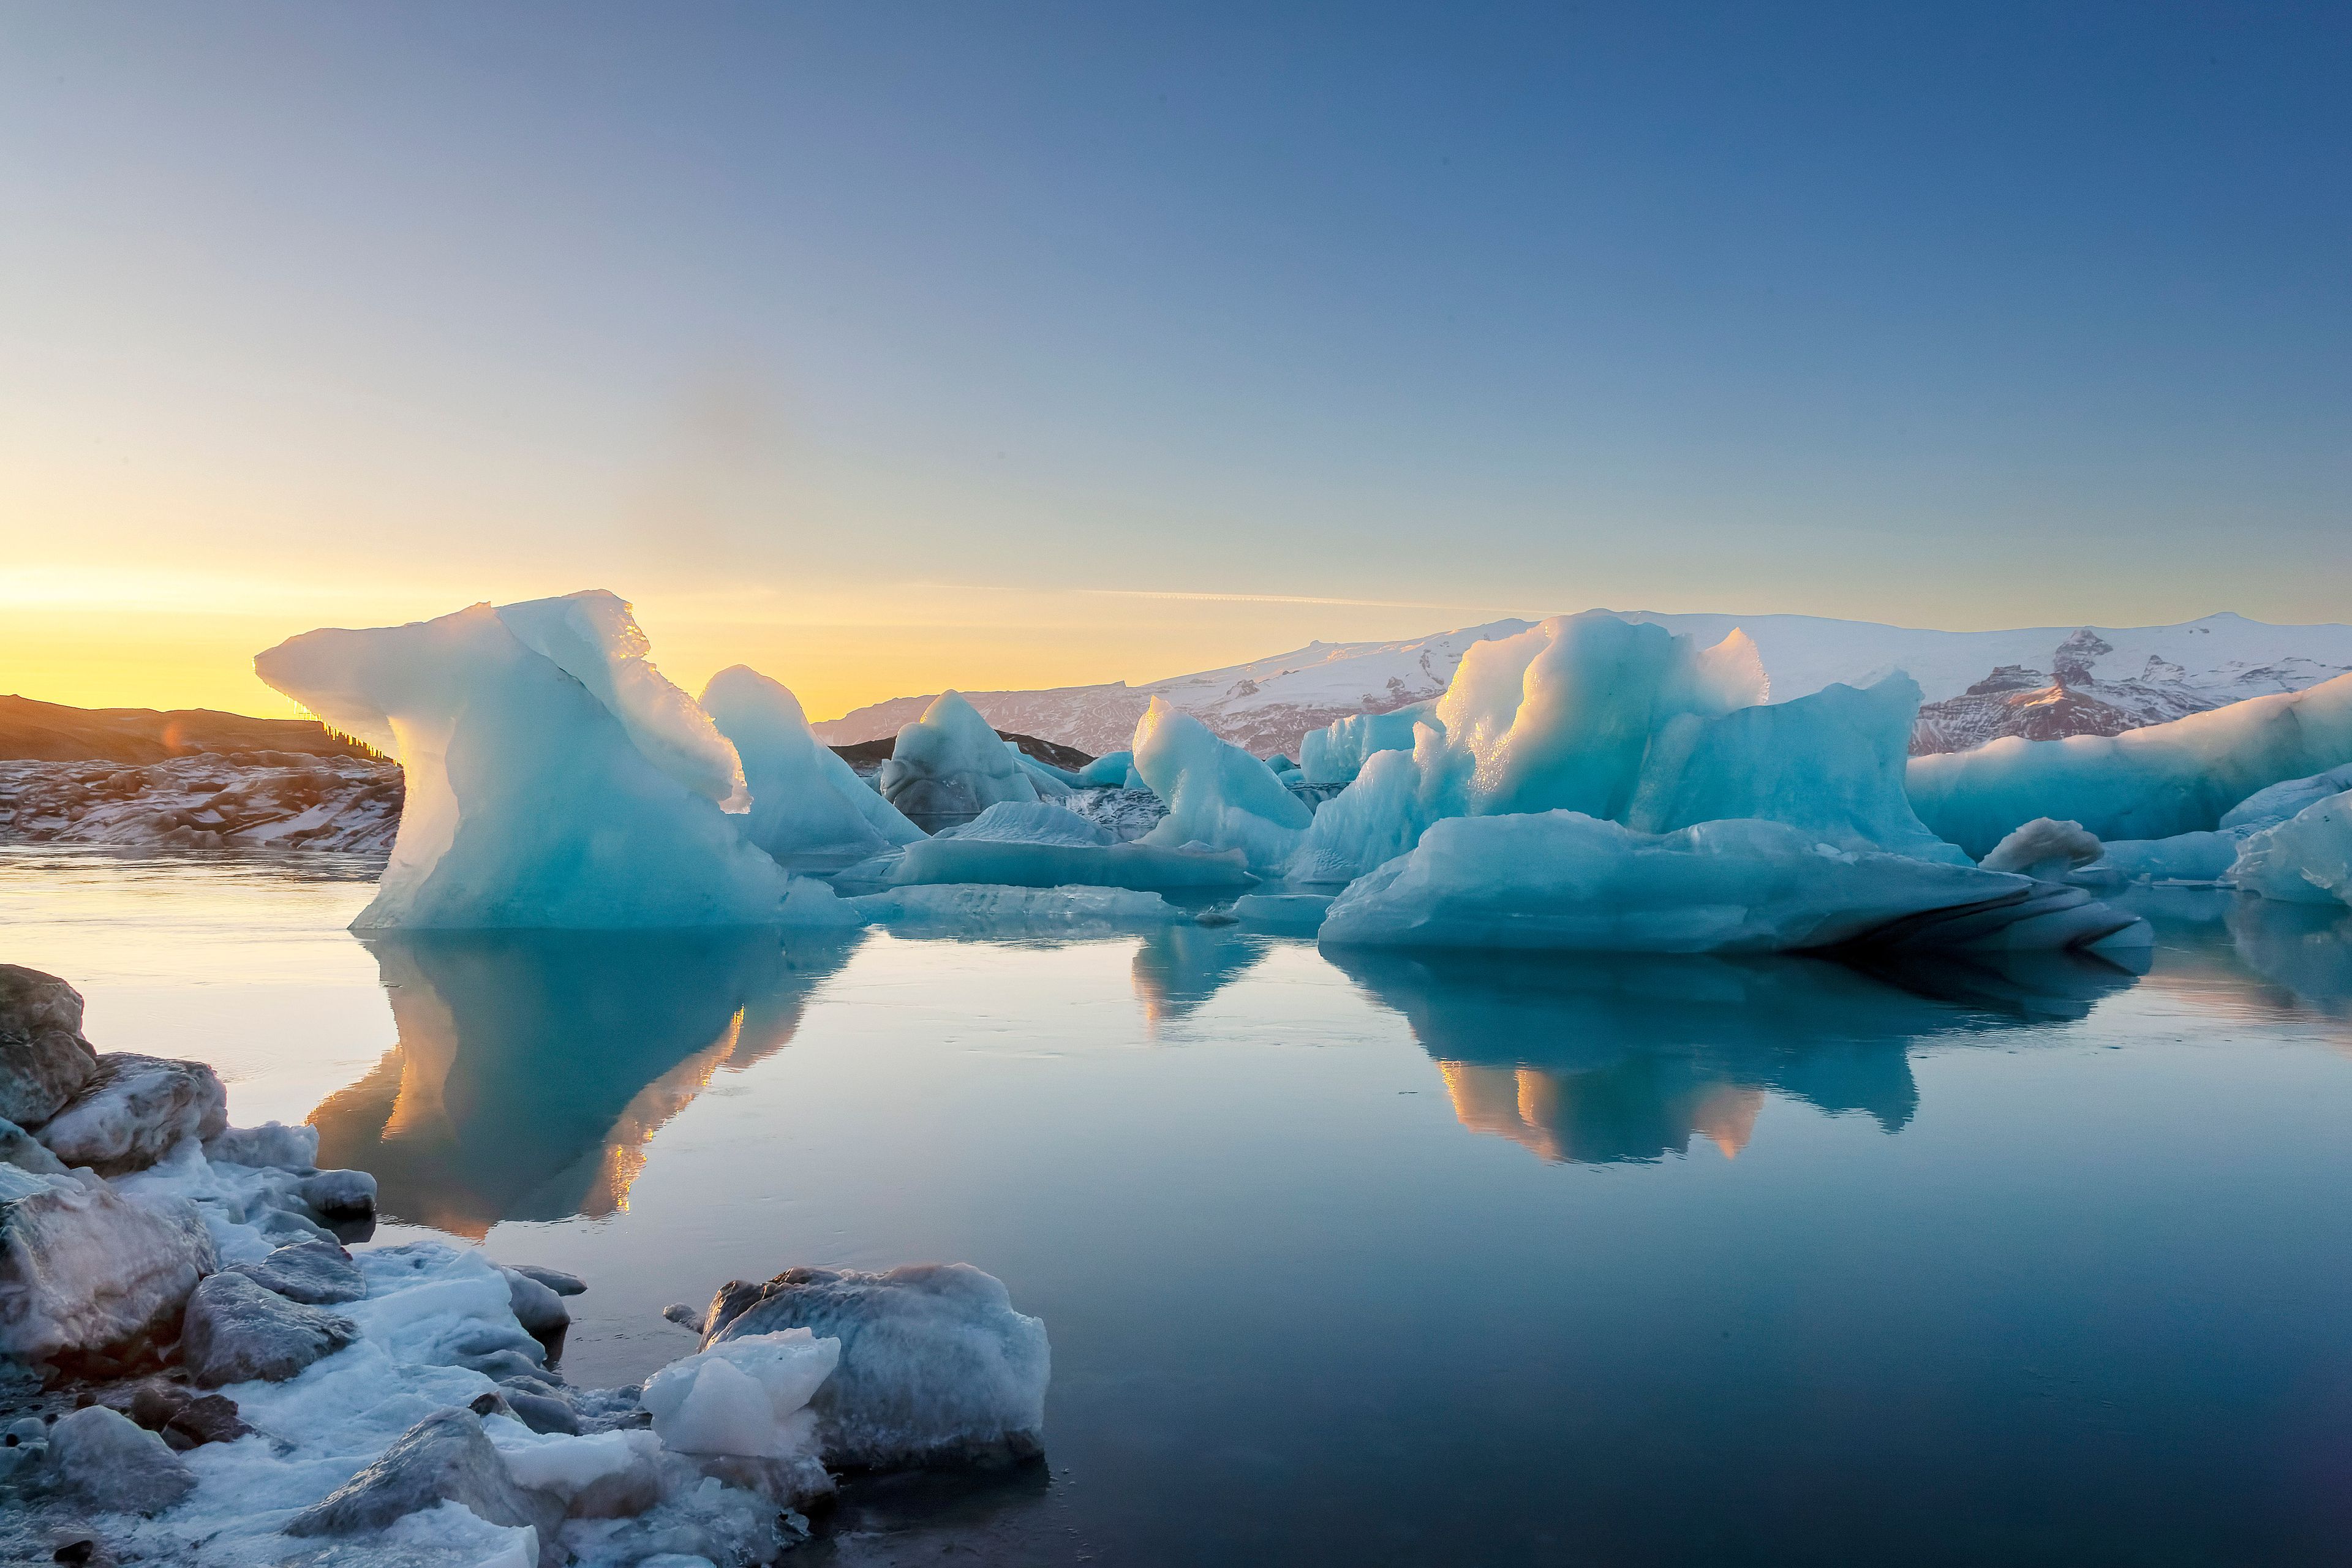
pixel 888 347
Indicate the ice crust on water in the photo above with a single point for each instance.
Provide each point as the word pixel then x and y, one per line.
pixel 1218 795
pixel 949 766
pixel 808 807
pixel 1561 880
pixel 530 802
pixel 2144 784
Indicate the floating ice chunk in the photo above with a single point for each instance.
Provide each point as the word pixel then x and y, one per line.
pixel 2183 858
pixel 2148 783
pixel 949 766
pixel 960 909
pixel 808 806
pixel 2045 850
pixel 935 1366
pixel 530 803
pixel 1829 763
pixel 1295 913
pixel 748 1396
pixel 1113 770
pixel 1218 795
pixel 1563 881
pixel 1337 753
pixel 2269 807
pixel 594 638
pixel 2306 860
pixel 1040 845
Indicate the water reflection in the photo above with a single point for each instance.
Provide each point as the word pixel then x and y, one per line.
pixel 1629 1059
pixel 534 1067
pixel 1177 968
pixel 2298 957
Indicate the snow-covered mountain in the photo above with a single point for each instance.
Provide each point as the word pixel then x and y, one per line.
pixel 2038 680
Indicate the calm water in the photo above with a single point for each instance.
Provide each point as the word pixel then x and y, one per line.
pixel 1390 1261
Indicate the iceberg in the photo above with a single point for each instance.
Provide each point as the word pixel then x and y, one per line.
pixel 2152 783
pixel 1337 753
pixel 949 766
pixel 533 800
pixel 808 807
pixel 2306 860
pixel 1041 845
pixel 1564 881
pixel 1217 794
pixel 1113 770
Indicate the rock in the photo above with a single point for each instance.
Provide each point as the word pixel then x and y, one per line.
pixel 543 1413
pixel 86 1271
pixel 336 1196
pixel 315 1273
pixel 936 1366
pixel 684 1316
pixel 273 1145
pixel 43 1057
pixel 181 1417
pixel 536 1307
pixel 27 1152
pixel 446 1458
pixel 237 1330
pixel 555 1279
pixel 209 1418
pixel 108 1461
pixel 132 1110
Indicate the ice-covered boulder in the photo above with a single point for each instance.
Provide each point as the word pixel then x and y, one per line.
pixel 1042 845
pixel 1337 753
pixel 134 1110
pixel 936 1368
pixel 2150 784
pixel 1218 795
pixel 85 1270
pixel 551 783
pixel 949 766
pixel 273 1145
pixel 43 1057
pixel 110 1463
pixel 237 1331
pixel 446 1458
pixel 746 1397
pixel 1563 881
pixel 536 1306
pixel 808 807
pixel 314 1273
pixel 27 1152
pixel 2306 860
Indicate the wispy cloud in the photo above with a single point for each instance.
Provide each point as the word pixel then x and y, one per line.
pixel 1285 599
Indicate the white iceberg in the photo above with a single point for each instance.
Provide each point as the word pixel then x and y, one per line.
pixel 1217 794
pixel 808 808
pixel 949 766
pixel 2144 784
pixel 533 799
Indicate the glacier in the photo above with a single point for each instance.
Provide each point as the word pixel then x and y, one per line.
pixel 2144 784
pixel 808 808
pixel 552 780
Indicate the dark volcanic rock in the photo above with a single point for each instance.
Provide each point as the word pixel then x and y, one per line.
pixel 43 1057
pixel 237 1330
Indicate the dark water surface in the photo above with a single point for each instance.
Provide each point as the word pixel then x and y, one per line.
pixel 1375 1259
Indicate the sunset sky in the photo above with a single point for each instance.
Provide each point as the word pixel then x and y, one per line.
pixel 893 347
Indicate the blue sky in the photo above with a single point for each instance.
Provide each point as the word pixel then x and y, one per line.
pixel 906 345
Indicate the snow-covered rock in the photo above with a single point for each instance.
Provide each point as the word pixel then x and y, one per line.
pixel 949 766
pixel 108 1462
pixel 936 1367
pixel 808 807
pixel 315 1273
pixel 237 800
pixel 536 1307
pixel 237 1331
pixel 85 1270
pixel 554 779
pixel 44 1060
pixel 134 1110
pixel 445 1457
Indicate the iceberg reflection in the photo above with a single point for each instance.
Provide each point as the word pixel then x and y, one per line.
pixel 1603 1059
pixel 534 1067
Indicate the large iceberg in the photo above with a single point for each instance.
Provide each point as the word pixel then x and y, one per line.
pixel 808 807
pixel 2306 859
pixel 1217 794
pixel 554 786
pixel 1564 881
pixel 2142 784
pixel 949 766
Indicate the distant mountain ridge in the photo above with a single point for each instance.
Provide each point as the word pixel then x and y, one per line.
pixel 2037 681
pixel 31 731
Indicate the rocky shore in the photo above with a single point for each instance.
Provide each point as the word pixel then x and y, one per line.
pixel 203 1360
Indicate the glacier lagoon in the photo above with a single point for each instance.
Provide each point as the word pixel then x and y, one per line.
pixel 1394 1258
